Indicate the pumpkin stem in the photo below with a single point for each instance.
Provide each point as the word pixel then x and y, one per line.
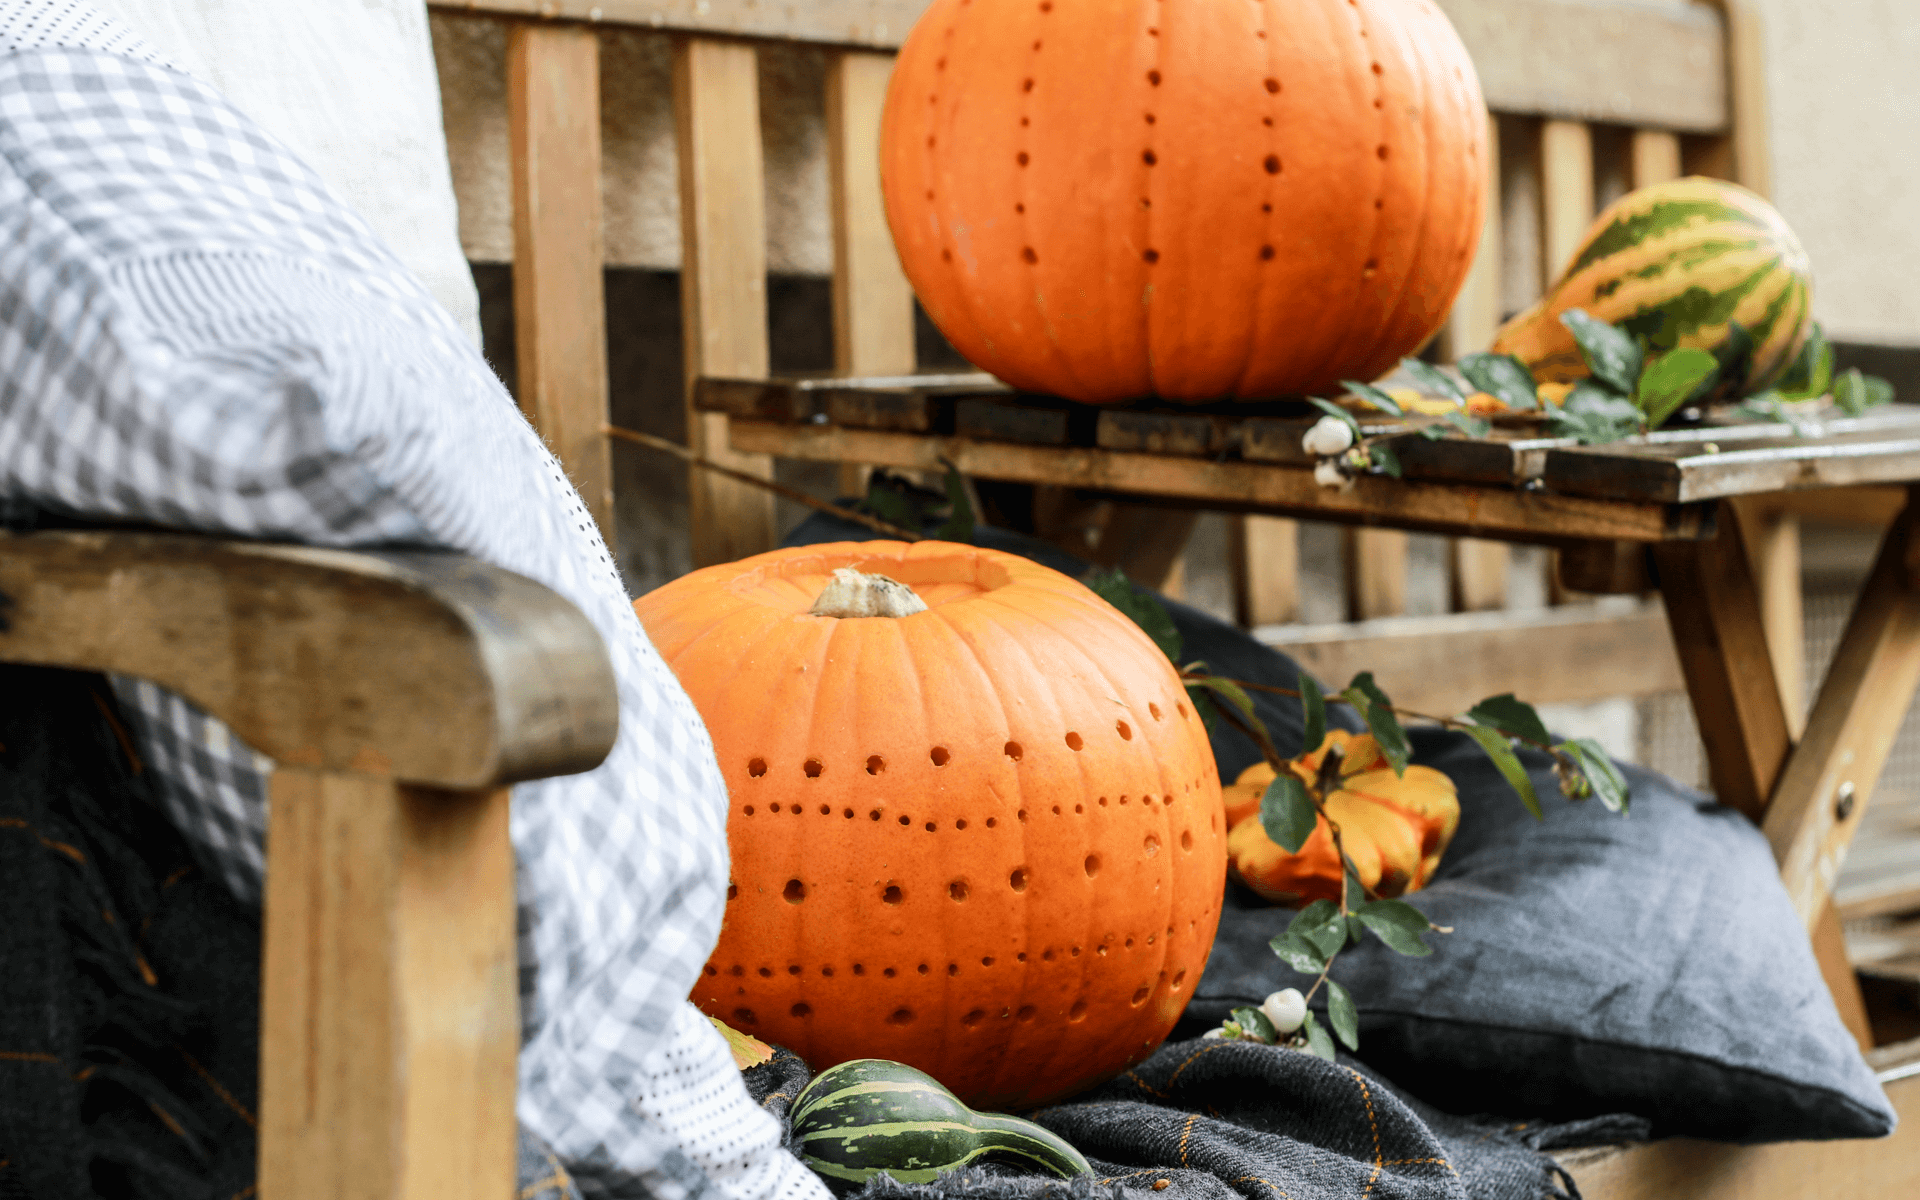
pixel 856 594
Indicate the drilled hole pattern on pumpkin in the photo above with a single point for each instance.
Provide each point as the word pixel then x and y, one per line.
pixel 891 894
pixel 795 891
pixel 756 767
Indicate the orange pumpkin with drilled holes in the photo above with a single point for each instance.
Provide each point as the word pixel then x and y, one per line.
pixel 978 831
pixel 1191 199
pixel 1394 827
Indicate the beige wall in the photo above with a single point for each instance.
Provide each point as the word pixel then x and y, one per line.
pixel 1843 81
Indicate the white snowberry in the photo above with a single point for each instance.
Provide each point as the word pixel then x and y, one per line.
pixel 1327 474
pixel 1211 1034
pixel 1287 1009
pixel 1329 435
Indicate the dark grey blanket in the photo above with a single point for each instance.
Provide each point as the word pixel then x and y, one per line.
pixel 1217 1120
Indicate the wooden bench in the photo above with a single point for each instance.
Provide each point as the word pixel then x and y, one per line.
pixel 399 694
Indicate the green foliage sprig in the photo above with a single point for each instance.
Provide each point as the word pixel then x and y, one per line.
pixel 905 504
pixel 1292 807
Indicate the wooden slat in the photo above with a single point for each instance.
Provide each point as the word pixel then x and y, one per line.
pixel 1566 183
pixel 1475 315
pixel 1571 655
pixel 1742 151
pixel 1713 608
pixel 1240 486
pixel 1480 574
pixel 1653 157
pixel 1681 1167
pixel 723 279
pixel 872 303
pixel 1145 542
pixel 559 304
pixel 1863 702
pixel 1265 559
pixel 431 667
pixel 1376 561
pixel 1638 64
pixel 1706 470
pixel 388 992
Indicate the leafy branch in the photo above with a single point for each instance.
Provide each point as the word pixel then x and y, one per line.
pixel 1296 803
pixel 1633 386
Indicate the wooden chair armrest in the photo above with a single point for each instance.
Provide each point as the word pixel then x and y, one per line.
pixel 427 667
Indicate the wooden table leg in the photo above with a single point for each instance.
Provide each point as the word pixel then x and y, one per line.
pixel 1713 608
pixel 1719 632
pixel 1830 777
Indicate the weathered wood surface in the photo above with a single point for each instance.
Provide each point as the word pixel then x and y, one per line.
pixel 1708 464
pixel 1573 654
pixel 1845 1170
pixel 1713 608
pixel 1512 515
pixel 389 1006
pixel 1639 65
pixel 427 667
pixel 559 305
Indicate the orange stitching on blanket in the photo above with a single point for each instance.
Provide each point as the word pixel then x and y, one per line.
pixel 1414 1162
pixel 244 1192
pixel 176 877
pixel 1190 1060
pixel 13 823
pixel 26 1056
pixel 556 1180
pixel 1268 1182
pixel 119 732
pixel 219 1091
pixel 1366 1093
pixel 63 848
pixel 1144 1086
pixel 1184 1135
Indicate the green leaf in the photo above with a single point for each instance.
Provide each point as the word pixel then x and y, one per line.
pixel 1374 706
pixel 1433 380
pixel 1204 706
pixel 1287 813
pixel 1334 410
pixel 1384 460
pixel 1234 694
pixel 1434 433
pixel 1513 717
pixel 959 523
pixel 1298 953
pixel 1611 354
pixel 1855 393
pixel 1374 396
pixel 1252 1020
pixel 1356 895
pixel 1356 928
pixel 1313 916
pixel 1343 1016
pixel 1500 750
pixel 1474 427
pixel 1595 415
pixel 1398 924
pixel 1320 923
pixel 1598 766
pixel 1140 606
pixel 1502 376
pixel 889 505
pixel 1671 380
pixel 1313 710
pixel 1317 1040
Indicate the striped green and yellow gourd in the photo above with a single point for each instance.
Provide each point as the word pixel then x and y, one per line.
pixel 872 1116
pixel 1676 263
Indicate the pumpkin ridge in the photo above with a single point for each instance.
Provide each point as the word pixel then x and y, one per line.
pixel 1042 1068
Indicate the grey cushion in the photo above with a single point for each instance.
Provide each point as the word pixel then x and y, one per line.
pixel 1648 964
pixel 1599 964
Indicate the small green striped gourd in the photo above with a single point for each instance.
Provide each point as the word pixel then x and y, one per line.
pixel 873 1116
pixel 1676 263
